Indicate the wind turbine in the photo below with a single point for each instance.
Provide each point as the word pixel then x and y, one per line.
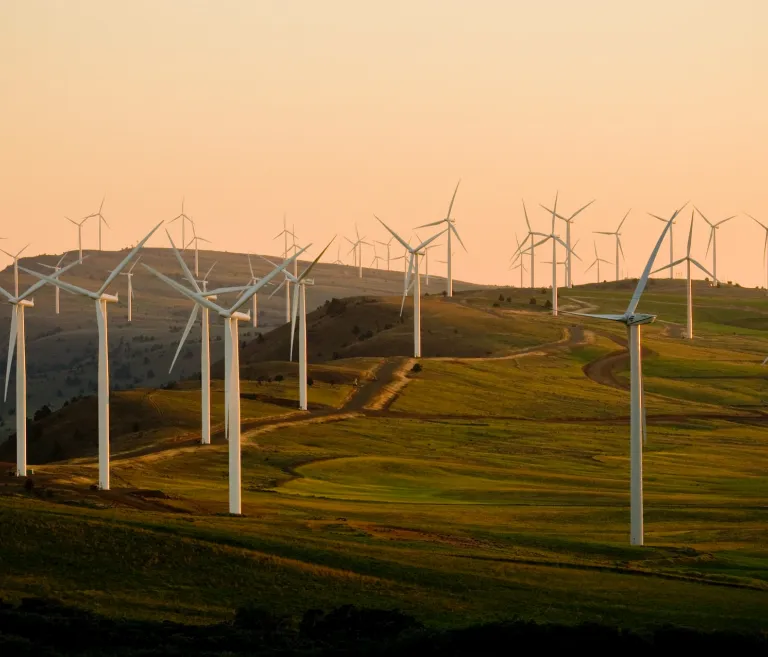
pixel 253 281
pixel 184 219
pixel 231 318
pixel 569 251
pixel 56 268
pixel 101 299
pixel 18 340
pixel 671 243
pixel 413 268
pixel 196 240
pixel 617 234
pixel 357 249
pixel 100 218
pixel 555 241
pixel 300 309
pixel 532 249
pixel 79 225
pixel 205 346
pixel 597 262
pixel 451 228
pixel 688 260
pixel 284 234
pixel 633 321
pixel 15 258
pixel 765 247
pixel 129 275
pixel 713 228
pixel 388 247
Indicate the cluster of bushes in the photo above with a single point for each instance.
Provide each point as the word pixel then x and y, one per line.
pixel 45 628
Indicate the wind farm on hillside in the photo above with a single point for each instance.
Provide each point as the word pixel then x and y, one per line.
pixel 408 330
pixel 363 412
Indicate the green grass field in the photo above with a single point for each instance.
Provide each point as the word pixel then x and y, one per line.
pixel 488 488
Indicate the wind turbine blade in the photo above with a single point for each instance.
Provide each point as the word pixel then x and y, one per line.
pixel 670 265
pixel 690 235
pixel 623 220
pixel 702 216
pixel 711 237
pixel 434 223
pixel 116 272
pixel 187 329
pixel 294 312
pixel 584 207
pixel 525 212
pixel 453 198
pixel 306 272
pixel 278 288
pixel 288 274
pixel 431 239
pixel 649 266
pixel 253 289
pixel 458 237
pixel 190 294
pixel 11 347
pixel 703 268
pixel 759 223
pixel 61 284
pixel 34 288
pixel 184 268
pixel 395 235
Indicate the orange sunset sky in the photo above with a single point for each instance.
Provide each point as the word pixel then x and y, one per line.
pixel 337 109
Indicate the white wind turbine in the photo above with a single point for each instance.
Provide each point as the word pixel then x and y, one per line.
pixel 671 243
pixel 357 249
pixel 196 239
pixel 15 258
pixel 253 280
pixel 184 219
pixel 300 312
pixel 451 228
pixel 98 215
pixel 633 321
pixel 129 275
pixel 555 241
pixel 688 260
pixel 284 234
pixel 79 225
pixel 388 246
pixel 617 234
pixel 532 249
pixel 569 250
pixel 765 247
pixel 205 341
pixel 55 268
pixel 413 268
pixel 231 318
pixel 18 340
pixel 101 299
pixel 597 262
pixel 713 228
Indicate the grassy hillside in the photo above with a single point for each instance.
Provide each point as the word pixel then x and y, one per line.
pixel 490 482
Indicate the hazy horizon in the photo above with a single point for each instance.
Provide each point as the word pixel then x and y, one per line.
pixel 331 113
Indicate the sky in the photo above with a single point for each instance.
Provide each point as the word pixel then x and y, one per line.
pixel 332 111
